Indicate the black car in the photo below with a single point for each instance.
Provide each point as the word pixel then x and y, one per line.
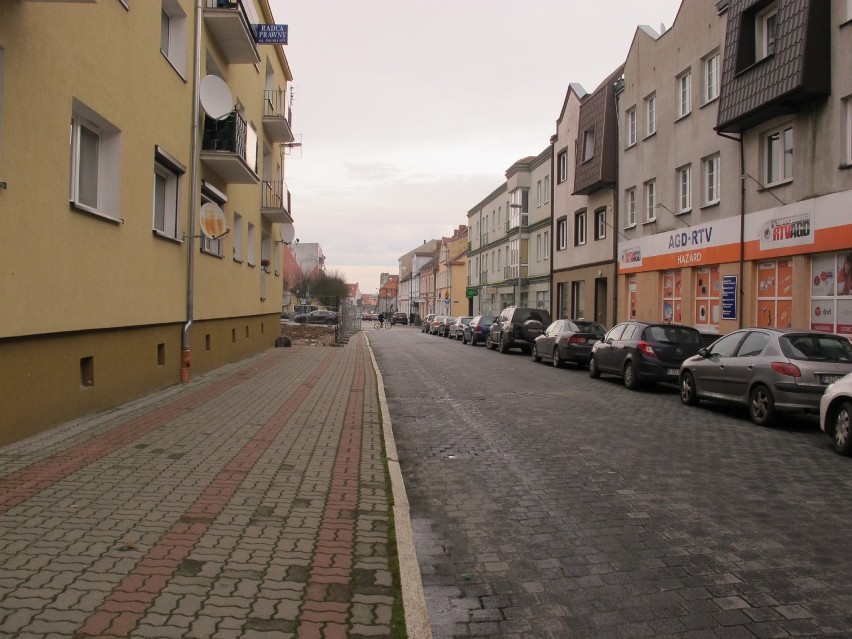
pixel 644 352
pixel 399 318
pixel 567 341
pixel 517 327
pixel 317 317
pixel 477 330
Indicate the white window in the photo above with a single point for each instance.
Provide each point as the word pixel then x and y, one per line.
pixel 173 34
pixel 711 77
pixel 779 155
pixel 847 138
pixel 710 177
pixel 588 145
pixel 580 228
pixel 546 243
pixel 95 163
pixel 684 189
pixel 562 234
pixel 563 167
pixel 600 224
pixel 250 252
pixel 630 206
pixel 538 247
pixel 765 25
pixel 684 93
pixel 546 189
pixel 538 193
pixel 167 173
pixel 237 237
pixel 631 126
pixel 650 200
pixel 651 114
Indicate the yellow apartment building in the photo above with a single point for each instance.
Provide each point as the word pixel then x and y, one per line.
pixel 123 126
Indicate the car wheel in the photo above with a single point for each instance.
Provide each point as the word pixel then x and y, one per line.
pixel 489 343
pixel 631 382
pixel 534 355
pixel 557 361
pixel 688 395
pixel 842 426
pixel 504 345
pixel 464 338
pixel 761 406
pixel 594 373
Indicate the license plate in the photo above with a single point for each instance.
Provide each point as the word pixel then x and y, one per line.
pixel 829 379
pixel 673 371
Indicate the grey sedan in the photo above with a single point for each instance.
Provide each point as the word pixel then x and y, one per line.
pixel 769 370
pixel 567 341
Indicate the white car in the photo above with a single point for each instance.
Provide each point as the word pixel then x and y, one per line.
pixel 835 414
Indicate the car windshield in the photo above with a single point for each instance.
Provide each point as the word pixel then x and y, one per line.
pixel 673 334
pixel 818 348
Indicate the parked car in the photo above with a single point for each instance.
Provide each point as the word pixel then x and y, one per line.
pixel 457 327
pixel 517 327
pixel 399 318
pixel 644 352
pixel 426 326
pixel 567 341
pixel 317 317
pixel 835 414
pixel 769 370
pixel 369 316
pixel 444 327
pixel 436 324
pixel 477 329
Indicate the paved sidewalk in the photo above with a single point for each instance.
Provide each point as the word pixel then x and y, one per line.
pixel 252 502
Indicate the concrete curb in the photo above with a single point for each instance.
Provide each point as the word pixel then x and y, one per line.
pixel 413 598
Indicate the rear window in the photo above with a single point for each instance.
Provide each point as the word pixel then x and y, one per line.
pixel 487 321
pixel 524 314
pixel 817 348
pixel 673 334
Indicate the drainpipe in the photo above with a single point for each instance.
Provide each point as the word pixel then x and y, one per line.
pixel 185 360
pixel 742 174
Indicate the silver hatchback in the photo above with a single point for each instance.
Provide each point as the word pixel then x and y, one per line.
pixel 769 370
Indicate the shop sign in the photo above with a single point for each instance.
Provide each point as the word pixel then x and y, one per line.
pixel 270 33
pixel 786 231
pixel 471 292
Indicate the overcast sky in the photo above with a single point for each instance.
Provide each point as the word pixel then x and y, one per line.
pixel 410 111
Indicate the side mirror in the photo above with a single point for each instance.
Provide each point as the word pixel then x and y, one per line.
pixel 702 352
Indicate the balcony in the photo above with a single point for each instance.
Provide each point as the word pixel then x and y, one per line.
pixel 483 277
pixel 277 117
pixel 522 221
pixel 275 202
pixel 224 149
pixel 228 24
pixel 511 272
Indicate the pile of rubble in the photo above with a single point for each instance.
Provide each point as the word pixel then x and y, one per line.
pixel 311 334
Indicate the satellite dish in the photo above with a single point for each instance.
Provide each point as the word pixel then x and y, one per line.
pixel 214 224
pixel 288 232
pixel 215 97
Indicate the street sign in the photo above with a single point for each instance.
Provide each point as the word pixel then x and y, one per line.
pixel 447 299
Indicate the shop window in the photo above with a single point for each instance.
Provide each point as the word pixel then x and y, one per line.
pixel 831 293
pixel 671 296
pixel 708 294
pixel 775 294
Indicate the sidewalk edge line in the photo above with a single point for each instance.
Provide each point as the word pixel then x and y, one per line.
pixel 413 597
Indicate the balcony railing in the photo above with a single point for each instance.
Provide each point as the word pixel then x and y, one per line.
pixel 230 28
pixel 511 272
pixel 224 147
pixel 277 116
pixel 275 201
pixel 483 277
pixel 483 239
pixel 522 220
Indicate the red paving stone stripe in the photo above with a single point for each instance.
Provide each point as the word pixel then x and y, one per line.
pixel 22 484
pixel 121 611
pixel 332 562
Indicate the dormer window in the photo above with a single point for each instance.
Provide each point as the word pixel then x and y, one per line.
pixel 765 25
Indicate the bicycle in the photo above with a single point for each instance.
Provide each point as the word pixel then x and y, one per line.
pixel 378 325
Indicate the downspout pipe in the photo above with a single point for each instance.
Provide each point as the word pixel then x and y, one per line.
pixel 742 173
pixel 185 360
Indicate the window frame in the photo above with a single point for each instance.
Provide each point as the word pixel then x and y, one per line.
pixel 172 172
pixel 562 233
pixel 632 126
pixel 650 200
pixel 651 115
pixel 711 69
pixel 684 94
pixel 176 44
pixel 711 175
pixel 588 145
pixel 600 223
pixel 684 189
pixel 784 153
pixel 580 227
pixel 562 166
pixel 630 206
pixel 106 173
pixel 763 46
pixel 546 189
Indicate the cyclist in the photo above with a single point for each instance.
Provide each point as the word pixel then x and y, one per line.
pixel 381 319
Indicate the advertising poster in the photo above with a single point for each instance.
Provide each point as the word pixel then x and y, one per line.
pixel 785 278
pixel 784 308
pixel 766 280
pixel 822 275
pixel 822 315
pixel 844 274
pixel 844 317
